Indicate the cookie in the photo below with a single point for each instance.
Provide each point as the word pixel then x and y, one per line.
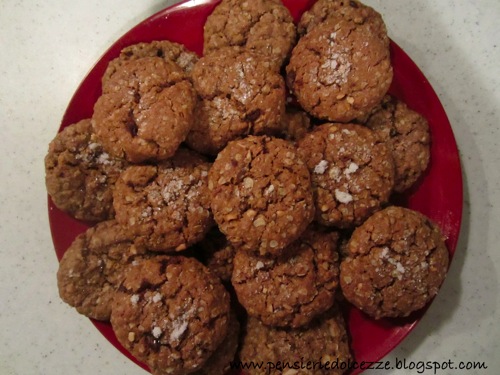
pixel 321 348
pixel 220 362
pixel 261 194
pixel 217 254
pixel 94 266
pixel 264 27
pixel 80 175
pixel 171 313
pixel 240 95
pixel 146 110
pixel 292 290
pixel 407 134
pixel 352 172
pixel 166 204
pixel 341 70
pixel 164 49
pixel 396 264
pixel 296 124
pixel 323 9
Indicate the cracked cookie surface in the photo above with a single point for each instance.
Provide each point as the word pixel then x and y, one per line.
pixel 352 172
pixel 341 70
pixel 323 9
pixel 324 340
pixel 240 95
pixel 164 49
pixel 80 175
pixel 145 111
pixel 166 204
pixel 291 290
pixel 262 26
pixel 397 261
pixel 93 267
pixel 171 313
pixel 261 194
pixel 407 134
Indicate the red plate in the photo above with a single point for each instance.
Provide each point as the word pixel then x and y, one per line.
pixel 438 195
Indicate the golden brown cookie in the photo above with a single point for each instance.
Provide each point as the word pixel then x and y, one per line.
pixel 80 175
pixel 323 9
pixel 94 266
pixel 291 290
pixel 166 204
pixel 146 110
pixel 396 264
pixel 341 70
pixel 171 313
pixel 262 26
pixel 164 49
pixel 352 172
pixel 261 194
pixel 288 351
pixel 407 134
pixel 240 95
pixel 220 362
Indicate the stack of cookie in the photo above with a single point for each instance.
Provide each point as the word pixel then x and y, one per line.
pixel 205 176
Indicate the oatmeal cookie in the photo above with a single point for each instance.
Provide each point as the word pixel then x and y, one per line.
pixel 396 264
pixel 261 194
pixel 239 96
pixel 323 9
pixel 93 267
pixel 324 340
pixel 407 134
pixel 159 48
pixel 341 70
pixel 171 313
pixel 262 26
pixel 219 363
pixel 352 172
pixel 168 203
pixel 218 254
pixel 79 175
pixel 146 110
pixel 292 290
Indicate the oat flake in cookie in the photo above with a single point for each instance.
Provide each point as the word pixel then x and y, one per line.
pixel 166 204
pixel 145 111
pixel 263 26
pixel 164 49
pixel 352 172
pixel 261 194
pixel 341 70
pixel 240 95
pixel 324 340
pixel 396 264
pixel 80 175
pixel 407 134
pixel 291 290
pixel 94 266
pixel 171 313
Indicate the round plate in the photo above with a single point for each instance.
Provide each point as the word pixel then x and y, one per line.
pixel 438 195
